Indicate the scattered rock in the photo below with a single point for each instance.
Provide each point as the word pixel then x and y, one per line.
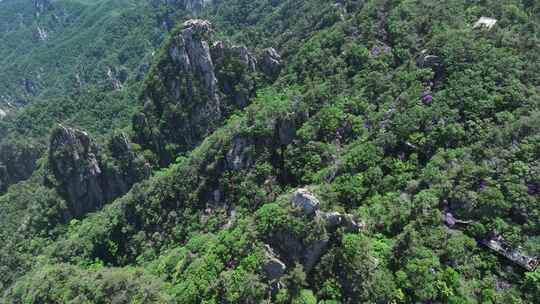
pixel 306 201
pixel 113 79
pixel 196 6
pixel 41 34
pixel 245 57
pixel 335 219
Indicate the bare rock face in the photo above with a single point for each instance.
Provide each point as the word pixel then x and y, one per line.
pixel 74 163
pixel 335 219
pixel 17 162
pixel 273 267
pixel 270 63
pixel 82 178
pixel 194 87
pixel 196 6
pixel 192 52
pixel 426 60
pixel 304 200
pixel 41 6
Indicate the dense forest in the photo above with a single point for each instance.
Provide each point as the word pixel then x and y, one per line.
pixel 269 151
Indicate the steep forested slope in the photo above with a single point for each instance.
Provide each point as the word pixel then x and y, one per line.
pixel 75 62
pixel 300 152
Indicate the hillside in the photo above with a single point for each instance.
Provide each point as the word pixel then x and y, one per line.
pixel 274 152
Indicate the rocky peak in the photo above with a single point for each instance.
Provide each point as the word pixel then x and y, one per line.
pixel 193 89
pixel 196 26
pixel 74 163
pixel 81 176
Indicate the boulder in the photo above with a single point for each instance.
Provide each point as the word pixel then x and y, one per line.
pixel 485 23
pixel 426 60
pixel 306 201
pixel 335 220
pixel 273 267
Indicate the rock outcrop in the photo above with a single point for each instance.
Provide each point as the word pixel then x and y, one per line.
pixel 426 60
pixel 41 6
pixel 17 162
pixel 81 177
pixel 270 63
pixel 73 160
pixel 296 246
pixel 304 200
pixel 273 267
pixel 194 87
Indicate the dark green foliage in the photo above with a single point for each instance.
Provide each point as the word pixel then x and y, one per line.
pixel 347 120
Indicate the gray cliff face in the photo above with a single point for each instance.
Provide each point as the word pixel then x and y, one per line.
pixel 17 162
pixel 82 178
pixel 270 63
pixel 192 53
pixel 74 163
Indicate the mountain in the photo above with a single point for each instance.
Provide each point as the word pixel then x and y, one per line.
pixel 270 151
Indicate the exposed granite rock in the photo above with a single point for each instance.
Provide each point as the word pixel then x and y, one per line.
pixel 82 178
pixel 233 64
pixel 192 52
pixel 196 6
pixel 41 34
pixel 273 267
pixel 192 90
pixel 307 247
pixel 125 167
pixel 270 63
pixel 41 6
pixel 335 219
pixel 306 201
pixel 425 60
pixel 73 160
